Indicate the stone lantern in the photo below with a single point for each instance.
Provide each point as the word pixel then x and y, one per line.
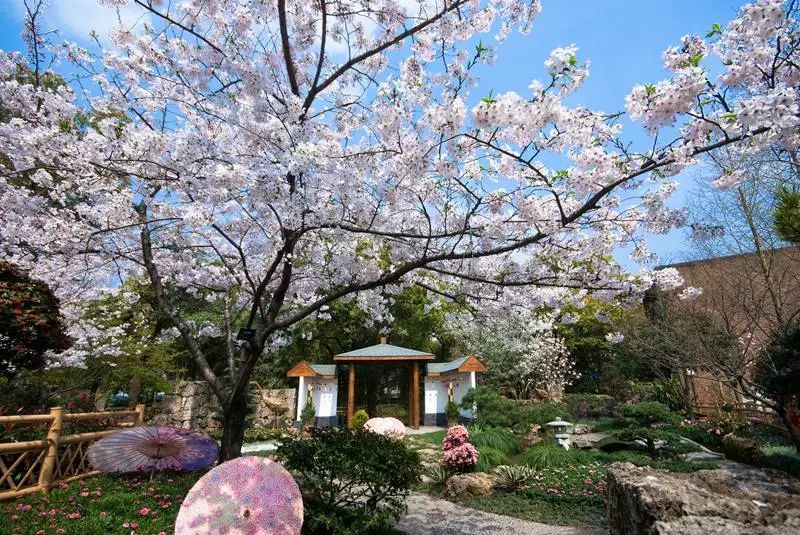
pixel 559 429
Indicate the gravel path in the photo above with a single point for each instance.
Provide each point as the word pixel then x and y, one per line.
pixel 432 516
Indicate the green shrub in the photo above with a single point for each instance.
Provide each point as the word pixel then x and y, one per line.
pixel 671 394
pixel 513 478
pixel 352 481
pixel 308 414
pixel 498 438
pixel 545 411
pixel 682 466
pixel 489 457
pixel 783 458
pixel 359 419
pixel 492 409
pixel 702 435
pixel 452 411
pixel 546 455
pixel 648 421
pixel 582 406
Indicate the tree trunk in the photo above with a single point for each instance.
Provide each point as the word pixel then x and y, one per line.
pixel 794 433
pixel 372 393
pixel 134 390
pixel 233 424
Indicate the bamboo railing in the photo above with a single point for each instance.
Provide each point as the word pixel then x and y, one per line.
pixel 37 465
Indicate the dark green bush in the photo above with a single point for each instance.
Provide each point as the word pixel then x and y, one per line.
pixel 545 411
pixel 671 393
pixel 784 458
pixel 590 406
pixel 308 414
pixel 353 482
pixel 452 411
pixel 494 410
pixel 702 435
pixel 648 421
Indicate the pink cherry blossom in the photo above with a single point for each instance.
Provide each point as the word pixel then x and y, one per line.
pixel 276 180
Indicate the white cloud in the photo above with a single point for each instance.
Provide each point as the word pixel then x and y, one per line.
pixel 75 19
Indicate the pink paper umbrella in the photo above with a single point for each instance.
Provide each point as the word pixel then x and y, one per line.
pixel 152 449
pixel 245 496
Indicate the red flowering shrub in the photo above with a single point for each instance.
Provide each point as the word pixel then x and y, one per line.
pixel 461 458
pixel 456 436
pixel 458 453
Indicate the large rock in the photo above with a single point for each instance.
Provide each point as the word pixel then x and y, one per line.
pixel 745 450
pixel 592 440
pixel 533 436
pixel 582 429
pixel 642 500
pixel 474 484
pixel 390 427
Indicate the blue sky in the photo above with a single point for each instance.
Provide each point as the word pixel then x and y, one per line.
pixel 623 39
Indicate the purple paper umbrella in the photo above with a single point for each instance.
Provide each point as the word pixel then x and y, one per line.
pixel 245 496
pixel 152 449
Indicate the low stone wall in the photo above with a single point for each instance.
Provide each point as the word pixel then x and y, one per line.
pixel 734 499
pixel 275 407
pixel 192 405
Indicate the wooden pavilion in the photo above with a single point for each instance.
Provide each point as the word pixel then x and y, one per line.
pixel 319 382
pixel 383 353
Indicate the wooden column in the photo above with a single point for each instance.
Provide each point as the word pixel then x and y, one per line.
pixel 51 457
pixel 139 419
pixel 351 393
pixel 415 394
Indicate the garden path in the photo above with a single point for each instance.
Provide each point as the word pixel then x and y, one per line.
pixel 428 515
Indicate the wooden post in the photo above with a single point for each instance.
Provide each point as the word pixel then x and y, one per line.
pixel 410 397
pixel 351 393
pixel 415 394
pixel 139 419
pixel 51 457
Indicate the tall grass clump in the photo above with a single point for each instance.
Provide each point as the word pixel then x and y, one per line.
pixel 500 439
pixel 545 455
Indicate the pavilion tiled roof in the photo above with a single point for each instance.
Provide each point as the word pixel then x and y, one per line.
pixel 383 351
pixel 441 367
pixel 324 369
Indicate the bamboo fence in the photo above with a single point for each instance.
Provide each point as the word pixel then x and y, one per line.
pixel 37 465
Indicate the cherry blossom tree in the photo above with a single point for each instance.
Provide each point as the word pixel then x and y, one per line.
pixel 522 353
pixel 313 151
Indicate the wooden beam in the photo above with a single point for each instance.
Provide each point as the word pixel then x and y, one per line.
pixel 472 364
pixel 415 389
pixel 302 369
pixel 410 396
pixel 351 394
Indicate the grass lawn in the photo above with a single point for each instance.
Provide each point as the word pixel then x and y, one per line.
pixel 434 438
pixel 101 505
pixel 129 505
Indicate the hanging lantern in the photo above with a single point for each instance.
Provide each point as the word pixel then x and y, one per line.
pixel 451 395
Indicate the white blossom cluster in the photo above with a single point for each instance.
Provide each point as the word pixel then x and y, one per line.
pixel 207 158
